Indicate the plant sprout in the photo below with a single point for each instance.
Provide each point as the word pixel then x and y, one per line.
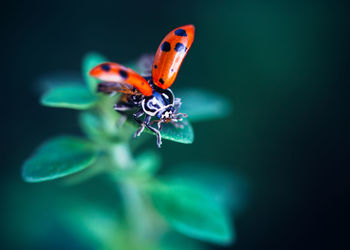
pixel 153 205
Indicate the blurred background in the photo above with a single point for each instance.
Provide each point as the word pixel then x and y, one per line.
pixel 283 64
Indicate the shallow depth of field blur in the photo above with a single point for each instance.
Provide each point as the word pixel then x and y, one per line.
pixel 282 64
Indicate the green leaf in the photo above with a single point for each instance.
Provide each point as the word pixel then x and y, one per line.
pixel 91 60
pixel 225 185
pixel 191 211
pixel 202 105
pixel 74 97
pixel 58 157
pixel 170 132
pixel 182 135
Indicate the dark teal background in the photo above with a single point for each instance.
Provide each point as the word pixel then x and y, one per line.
pixel 283 64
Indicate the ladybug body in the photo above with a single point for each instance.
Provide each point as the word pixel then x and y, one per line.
pixel 149 94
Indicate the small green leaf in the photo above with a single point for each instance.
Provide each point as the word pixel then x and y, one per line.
pixel 58 157
pixel 202 105
pixel 91 60
pixel 170 132
pixel 74 97
pixel 191 211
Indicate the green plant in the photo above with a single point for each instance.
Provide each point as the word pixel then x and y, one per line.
pixel 152 204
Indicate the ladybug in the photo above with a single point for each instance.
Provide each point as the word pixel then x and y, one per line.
pixel 149 94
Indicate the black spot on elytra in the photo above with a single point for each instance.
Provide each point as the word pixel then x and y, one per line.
pixel 161 80
pixel 180 32
pixel 179 47
pixel 155 66
pixel 165 47
pixel 123 73
pixel 106 67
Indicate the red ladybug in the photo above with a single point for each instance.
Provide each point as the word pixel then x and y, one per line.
pixel 149 94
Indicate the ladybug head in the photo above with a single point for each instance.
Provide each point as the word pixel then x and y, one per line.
pixel 171 115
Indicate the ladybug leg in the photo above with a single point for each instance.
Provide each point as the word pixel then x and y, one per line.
pixel 146 123
pixel 159 124
pixel 156 131
pixel 122 120
pixel 137 115
pixel 121 108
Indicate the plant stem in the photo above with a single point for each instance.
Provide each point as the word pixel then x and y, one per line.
pixel 135 211
pixel 121 155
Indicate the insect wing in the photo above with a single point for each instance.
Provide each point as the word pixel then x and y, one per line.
pixel 113 87
pixel 170 55
pixel 118 78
